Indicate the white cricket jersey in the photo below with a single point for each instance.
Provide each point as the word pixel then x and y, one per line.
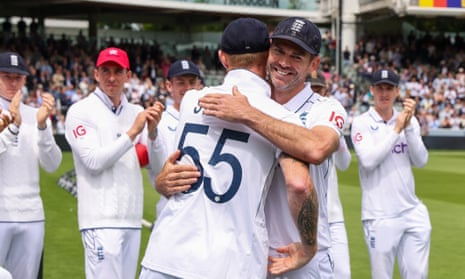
pixel 20 158
pixel 340 160
pixel 217 230
pixel 162 147
pixel 109 179
pixel 384 160
pixel 313 110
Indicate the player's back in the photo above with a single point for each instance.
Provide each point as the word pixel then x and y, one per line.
pixel 218 224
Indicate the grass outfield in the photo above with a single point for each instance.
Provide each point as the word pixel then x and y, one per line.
pixel 440 185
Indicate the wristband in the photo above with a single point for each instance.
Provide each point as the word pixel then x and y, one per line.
pixel 13 129
pixel 153 135
pixel 42 129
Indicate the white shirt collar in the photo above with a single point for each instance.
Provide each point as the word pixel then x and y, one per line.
pixel 108 103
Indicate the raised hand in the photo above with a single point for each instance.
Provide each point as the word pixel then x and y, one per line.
pixel 14 108
pixel 138 125
pixel 5 119
pixel 403 119
pixel 45 110
pixel 151 116
pixel 154 113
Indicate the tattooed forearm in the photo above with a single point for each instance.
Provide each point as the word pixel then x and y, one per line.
pixel 307 221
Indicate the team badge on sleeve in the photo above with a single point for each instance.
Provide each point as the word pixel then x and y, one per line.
pixel 79 131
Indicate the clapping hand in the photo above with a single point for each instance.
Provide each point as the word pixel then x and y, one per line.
pixel 45 109
pixel 14 108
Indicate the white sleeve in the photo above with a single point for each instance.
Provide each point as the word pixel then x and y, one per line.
pixel 7 138
pixel 49 152
pixel 370 154
pixel 342 156
pixel 83 138
pixel 418 153
pixel 330 113
pixel 157 155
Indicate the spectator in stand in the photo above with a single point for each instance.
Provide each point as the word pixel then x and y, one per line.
pixel 6 27
pixel 450 94
pixel 162 93
pixel 346 56
pixel 64 100
pixel 431 66
pixel 21 28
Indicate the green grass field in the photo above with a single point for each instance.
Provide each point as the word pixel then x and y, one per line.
pixel 441 186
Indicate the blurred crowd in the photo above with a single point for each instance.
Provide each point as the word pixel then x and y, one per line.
pixel 431 69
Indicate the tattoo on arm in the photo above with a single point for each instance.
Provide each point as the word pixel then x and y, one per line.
pixel 308 220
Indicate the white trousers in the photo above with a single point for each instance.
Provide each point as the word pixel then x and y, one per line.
pixel 406 237
pixel 21 246
pixel 340 250
pixel 111 253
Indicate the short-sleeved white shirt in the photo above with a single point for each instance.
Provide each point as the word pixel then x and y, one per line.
pixel 313 110
pixel 218 230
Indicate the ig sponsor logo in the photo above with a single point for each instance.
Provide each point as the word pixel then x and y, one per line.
pixel 358 137
pixel 337 119
pixel 79 131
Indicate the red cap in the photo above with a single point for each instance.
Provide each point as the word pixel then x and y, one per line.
pixel 113 54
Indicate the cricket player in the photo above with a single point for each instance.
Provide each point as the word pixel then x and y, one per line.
pixel 294 52
pixel 102 130
pixel 388 143
pixel 25 144
pixel 216 229
pixel 340 160
pixel 183 75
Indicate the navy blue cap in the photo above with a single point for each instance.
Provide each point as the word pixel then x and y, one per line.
pixel 245 35
pixel 183 67
pixel 11 62
pixel 301 32
pixel 385 76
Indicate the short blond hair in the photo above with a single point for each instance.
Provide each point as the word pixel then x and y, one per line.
pixel 248 60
